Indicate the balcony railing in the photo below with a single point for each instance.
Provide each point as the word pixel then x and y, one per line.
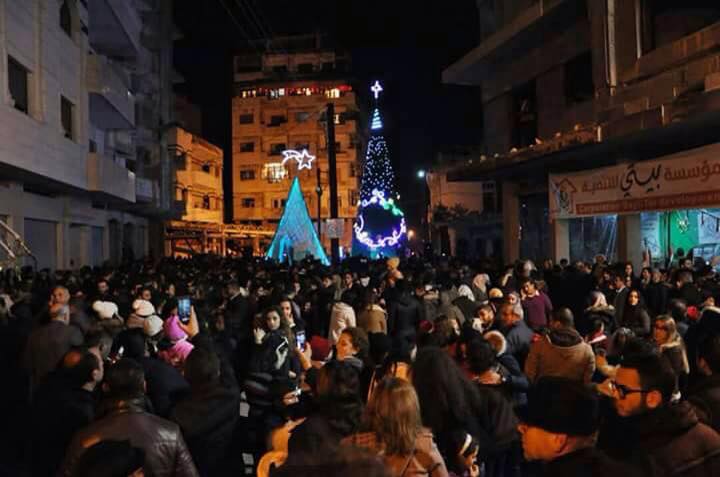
pixel 115 27
pixel 109 179
pixel 112 106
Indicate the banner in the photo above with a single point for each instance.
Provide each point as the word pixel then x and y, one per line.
pixel 688 180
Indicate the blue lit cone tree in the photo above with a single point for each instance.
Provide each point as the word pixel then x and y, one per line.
pixel 380 227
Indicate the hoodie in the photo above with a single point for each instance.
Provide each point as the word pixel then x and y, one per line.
pixel 563 353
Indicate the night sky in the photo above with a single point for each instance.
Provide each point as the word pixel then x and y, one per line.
pixel 404 45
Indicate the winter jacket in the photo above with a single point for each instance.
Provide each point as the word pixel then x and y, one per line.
pixel 449 309
pixel 466 306
pixel 341 317
pixel 656 298
pixel 637 319
pixel 562 353
pixel 165 451
pixel 425 460
pixel 588 462
pixel 165 384
pixel 373 320
pixel 404 316
pixel 207 419
pixel 58 411
pixel 518 337
pixel 669 441
pixel 705 399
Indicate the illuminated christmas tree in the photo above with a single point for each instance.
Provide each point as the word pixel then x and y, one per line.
pixel 295 237
pixel 380 223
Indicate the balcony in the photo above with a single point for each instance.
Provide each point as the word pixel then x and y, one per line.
pixel 206 180
pixel 109 180
pixel 115 27
pixel 529 29
pixel 147 190
pixel 112 106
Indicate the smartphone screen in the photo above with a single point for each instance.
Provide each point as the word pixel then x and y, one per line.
pixel 300 340
pixel 184 308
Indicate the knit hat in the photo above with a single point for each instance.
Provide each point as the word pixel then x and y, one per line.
pixel 152 325
pixel 562 406
pixel 105 310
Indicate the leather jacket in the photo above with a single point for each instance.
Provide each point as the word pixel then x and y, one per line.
pixel 165 451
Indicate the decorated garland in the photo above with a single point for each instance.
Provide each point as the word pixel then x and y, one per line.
pixel 378 200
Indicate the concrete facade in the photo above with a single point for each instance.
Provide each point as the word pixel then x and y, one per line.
pixel 279 102
pixel 198 180
pixel 575 85
pixel 73 166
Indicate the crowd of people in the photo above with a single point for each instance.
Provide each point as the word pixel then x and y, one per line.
pixel 226 366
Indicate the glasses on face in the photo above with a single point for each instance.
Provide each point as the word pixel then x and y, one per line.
pixel 623 391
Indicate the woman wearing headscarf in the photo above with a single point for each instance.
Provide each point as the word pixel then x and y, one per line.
pixel 480 287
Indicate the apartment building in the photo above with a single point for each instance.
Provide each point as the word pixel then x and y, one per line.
pixel 594 111
pixel 279 105
pixel 85 107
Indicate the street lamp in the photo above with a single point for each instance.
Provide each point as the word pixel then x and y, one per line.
pixel 421 174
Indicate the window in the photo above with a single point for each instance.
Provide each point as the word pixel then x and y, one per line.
pixel 67 110
pixel 277 120
pixel 206 202
pixel 354 198
pixel 247 146
pixel 300 146
pixel 525 115
pixel 277 148
pixel 327 67
pixel 247 175
pixel 353 170
pixel 274 172
pixel 92 146
pixel 278 203
pixel 305 68
pixel 66 19
pixel 302 116
pixel 280 69
pixel 332 93
pixel 248 203
pixel 205 168
pixel 579 86
pixel 18 85
pixel 247 118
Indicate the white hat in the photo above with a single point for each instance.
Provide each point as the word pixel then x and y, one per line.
pixel 153 325
pixel 106 310
pixel 143 308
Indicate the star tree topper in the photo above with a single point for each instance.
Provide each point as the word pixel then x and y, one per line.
pixel 303 158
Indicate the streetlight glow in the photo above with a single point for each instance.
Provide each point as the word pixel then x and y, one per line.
pixel 421 174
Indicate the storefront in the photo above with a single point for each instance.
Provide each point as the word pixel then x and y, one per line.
pixel 637 208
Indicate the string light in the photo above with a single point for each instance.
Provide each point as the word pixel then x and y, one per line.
pixel 377 190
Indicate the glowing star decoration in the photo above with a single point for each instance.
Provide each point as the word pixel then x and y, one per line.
pixel 303 158
pixel 376 89
pixel 362 235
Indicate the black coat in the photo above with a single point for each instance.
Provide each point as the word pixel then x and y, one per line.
pixel 656 298
pixel 59 410
pixel 588 462
pixel 404 316
pixel 208 418
pixel 165 385
pixel 670 437
pixel 705 398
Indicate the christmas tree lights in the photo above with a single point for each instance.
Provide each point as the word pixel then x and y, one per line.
pixel 295 237
pixel 380 224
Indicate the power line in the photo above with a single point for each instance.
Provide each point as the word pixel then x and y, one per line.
pixel 239 26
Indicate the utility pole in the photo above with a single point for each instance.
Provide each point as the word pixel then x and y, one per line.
pixel 318 189
pixel 332 165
